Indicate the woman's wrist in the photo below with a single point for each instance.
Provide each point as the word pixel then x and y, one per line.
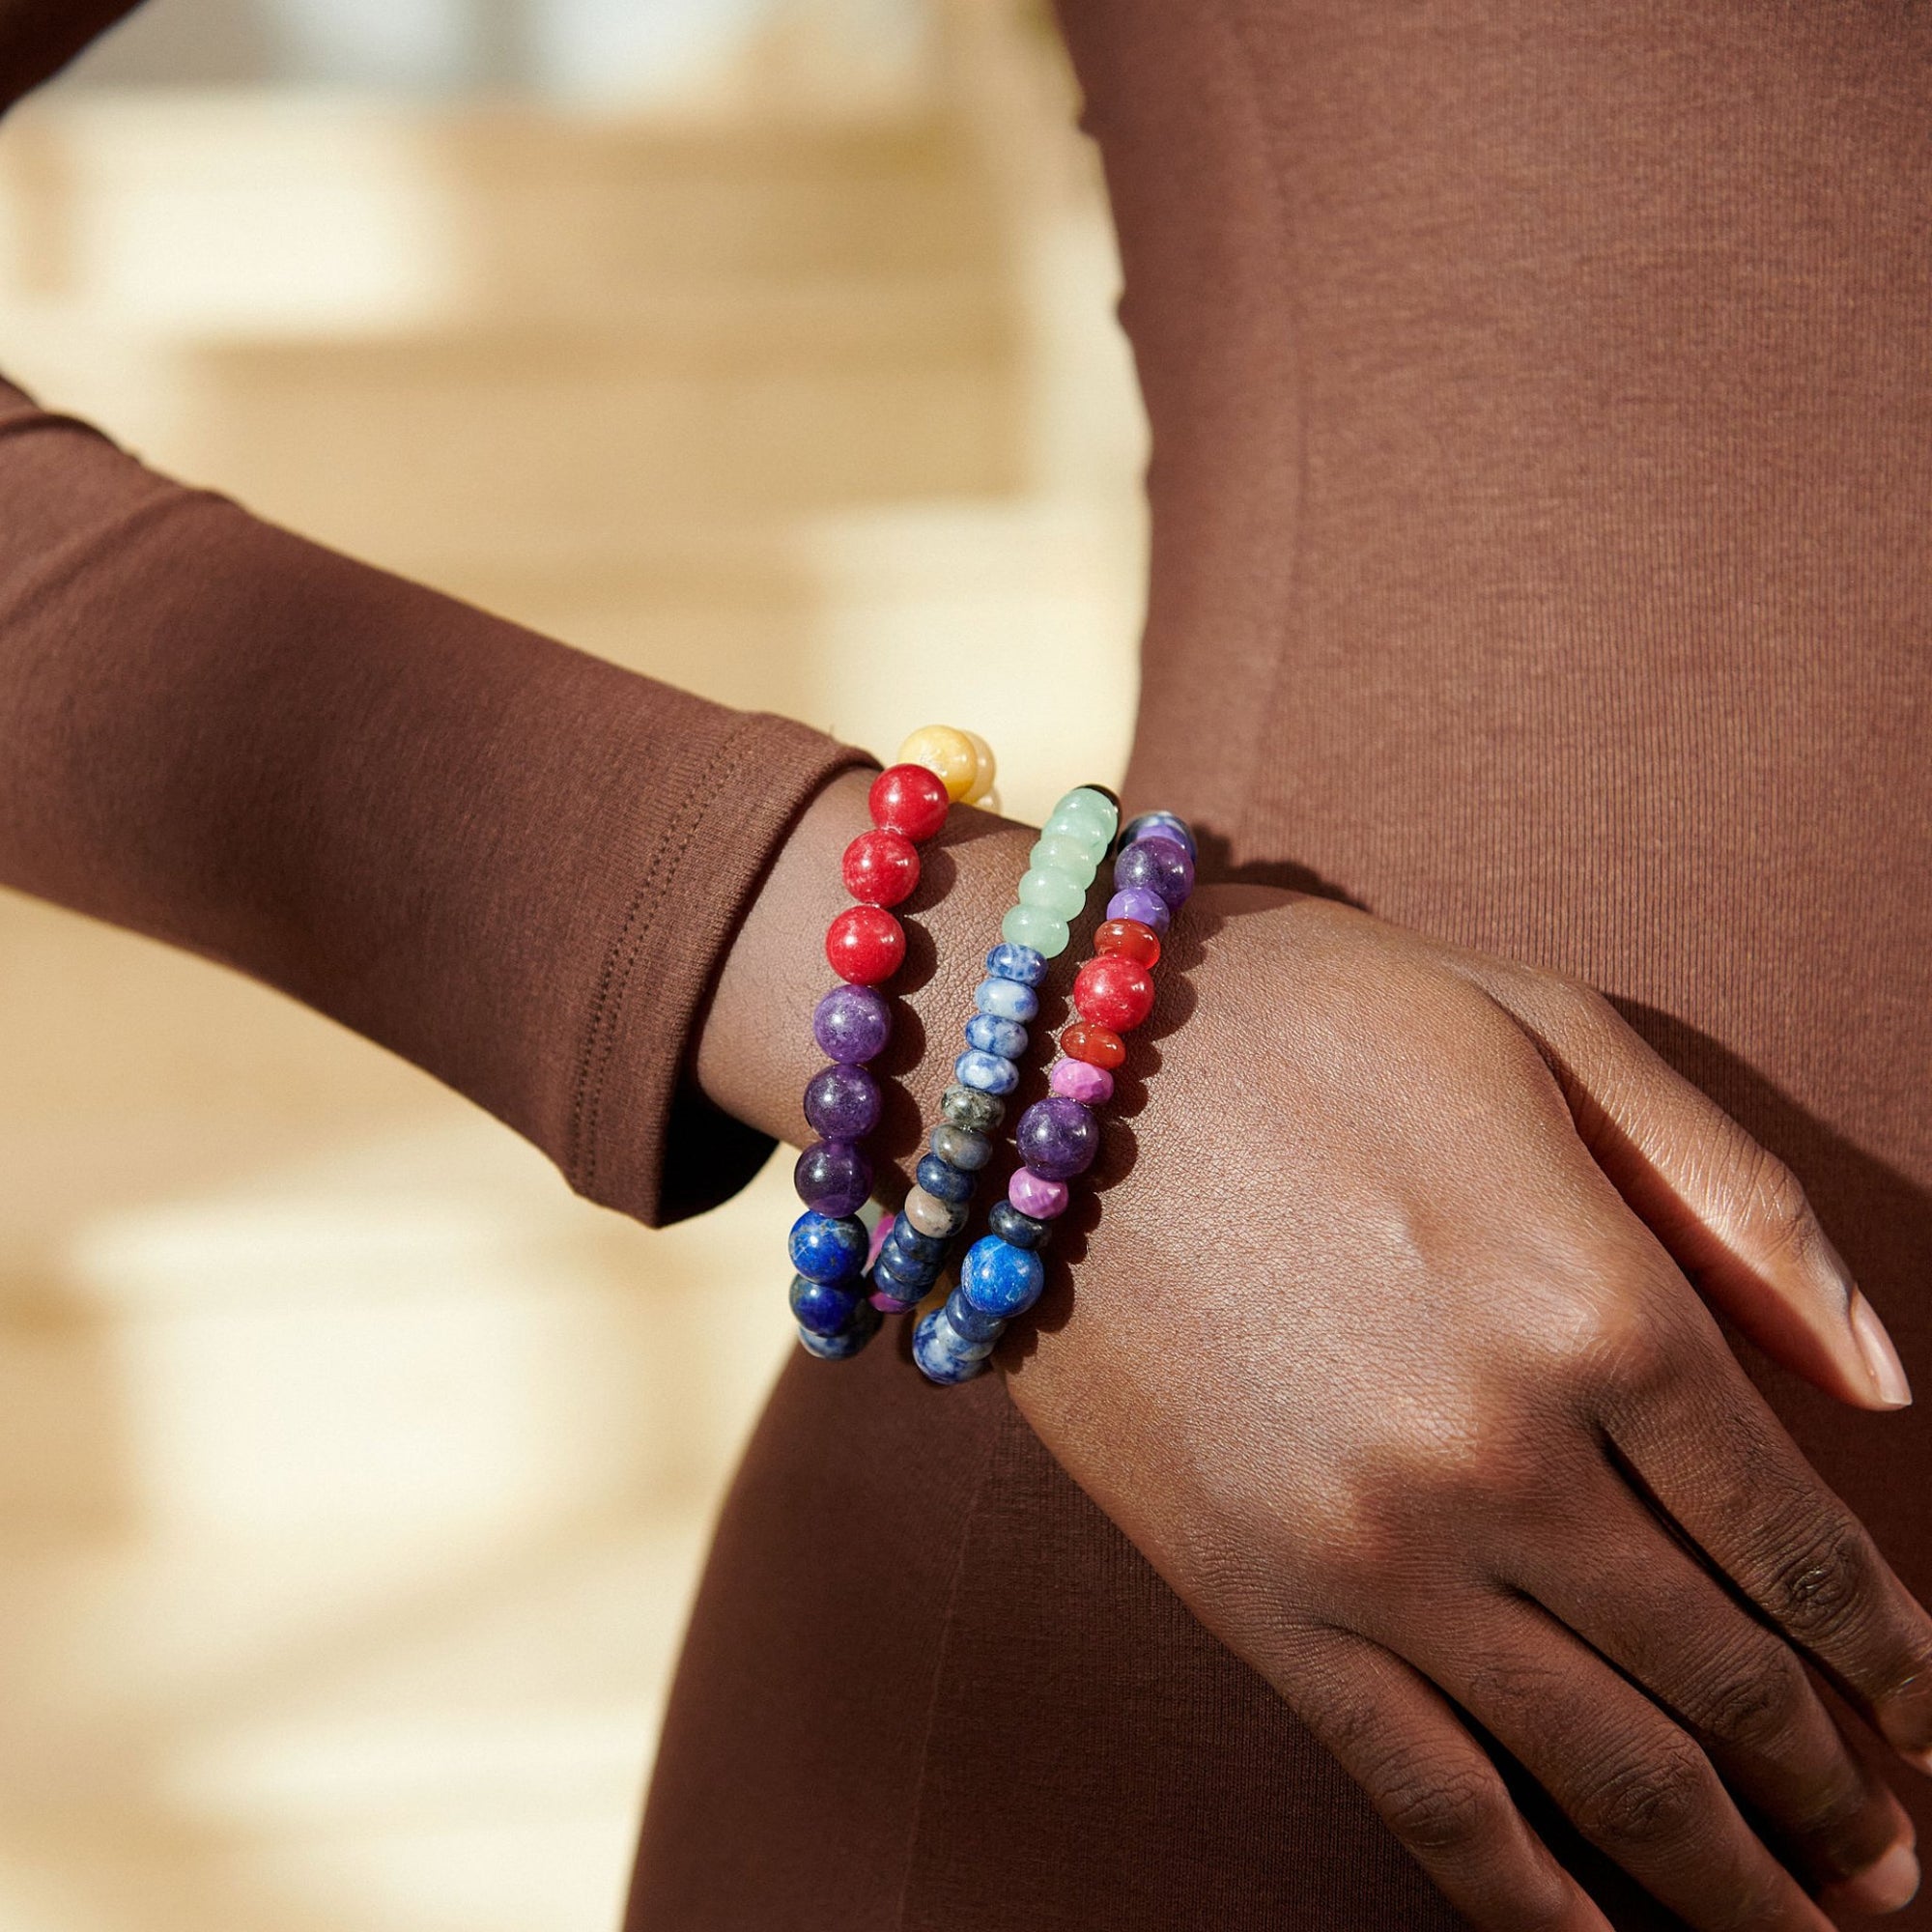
pixel 755 1051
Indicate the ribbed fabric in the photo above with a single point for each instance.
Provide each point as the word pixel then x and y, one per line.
pixel 1542 481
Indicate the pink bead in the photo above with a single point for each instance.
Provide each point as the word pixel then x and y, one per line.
pixel 878 1240
pixel 1034 1194
pixel 1081 1080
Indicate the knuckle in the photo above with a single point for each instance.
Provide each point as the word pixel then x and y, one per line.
pixel 1444 1811
pixel 1822 1589
pixel 1753 1704
pixel 1639 1804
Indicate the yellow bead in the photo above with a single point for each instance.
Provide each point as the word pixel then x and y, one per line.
pixel 947 754
pixel 982 777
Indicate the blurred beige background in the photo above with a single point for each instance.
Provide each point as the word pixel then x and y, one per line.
pixel 353 1476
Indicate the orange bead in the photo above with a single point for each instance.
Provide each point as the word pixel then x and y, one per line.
pixel 1097 1045
pixel 1129 938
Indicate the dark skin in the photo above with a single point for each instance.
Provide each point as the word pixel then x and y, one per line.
pixel 1412 1450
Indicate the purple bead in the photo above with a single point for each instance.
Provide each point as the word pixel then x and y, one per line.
pixel 1057 1138
pixel 832 1177
pixel 842 1103
pixel 852 1024
pixel 1161 825
pixel 1081 1080
pixel 1137 902
pixel 1159 866
pixel 1035 1197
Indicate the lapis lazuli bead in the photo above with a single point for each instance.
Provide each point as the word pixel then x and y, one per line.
pixel 1005 1038
pixel 1007 961
pixel 1161 825
pixel 972 1323
pixel 987 1071
pixel 823 1306
pixel 942 1355
pixel 1020 1231
pixel 1000 1279
pixel 1005 999
pixel 942 1180
pixel 848 1341
pixel 828 1247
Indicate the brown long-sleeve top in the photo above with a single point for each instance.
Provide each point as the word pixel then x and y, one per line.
pixel 512 863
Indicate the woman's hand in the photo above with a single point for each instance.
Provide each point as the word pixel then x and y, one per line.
pixel 1384 1353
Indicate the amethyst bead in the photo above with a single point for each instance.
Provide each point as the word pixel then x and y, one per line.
pixel 1137 902
pixel 1158 865
pixel 1058 1138
pixel 852 1024
pixel 1161 825
pixel 841 1103
pixel 832 1177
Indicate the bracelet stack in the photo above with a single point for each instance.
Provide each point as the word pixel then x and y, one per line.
pixel 1059 1137
pixel 1035 932
pixel 865 945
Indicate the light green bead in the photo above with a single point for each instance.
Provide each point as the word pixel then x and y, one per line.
pixel 1056 892
pixel 1087 803
pixel 1066 855
pixel 1080 831
pixel 1030 926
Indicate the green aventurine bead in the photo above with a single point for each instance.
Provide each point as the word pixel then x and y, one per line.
pixel 1030 926
pixel 1095 807
pixel 1066 855
pixel 1087 829
pixel 1056 892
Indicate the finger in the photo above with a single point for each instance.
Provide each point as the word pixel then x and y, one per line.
pixel 1435 1786
pixel 1732 1215
pixel 1739 1688
pixel 1629 1778
pixel 1720 1466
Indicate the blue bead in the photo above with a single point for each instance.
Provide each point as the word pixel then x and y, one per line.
pixel 940 1353
pixel 987 1071
pixel 1160 825
pixel 906 1284
pixel 1005 999
pixel 967 1321
pixel 1007 961
pixel 916 1246
pixel 1005 1038
pixel 1000 1279
pixel 942 1180
pixel 910 1267
pixel 824 1307
pixel 824 1248
pixel 847 1343
pixel 1017 1230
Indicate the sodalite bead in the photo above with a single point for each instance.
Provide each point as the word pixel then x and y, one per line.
pixel 914 1245
pixel 827 1247
pixel 1072 856
pixel 1007 961
pixel 1036 1195
pixel 909 1268
pixel 931 1216
pixel 849 1340
pixel 903 1281
pixel 842 1103
pixel 969 1323
pixel 1060 894
pixel 823 1306
pixel 1034 926
pixel 1005 999
pixel 1081 1080
pixel 971 1151
pixel 1017 1230
pixel 942 1354
pixel 1005 1038
pixel 852 1024
pixel 1058 1138
pixel 990 1072
pixel 942 1180
pixel 1161 825
pixel 1137 902
pixel 967 1107
pixel 1001 1280
pixel 1159 866
pixel 833 1176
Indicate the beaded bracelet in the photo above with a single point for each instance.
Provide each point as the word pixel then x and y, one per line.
pixel 1061 867
pixel 866 946
pixel 1057 1137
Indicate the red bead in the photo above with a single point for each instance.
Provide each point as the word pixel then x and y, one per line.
pixel 909 800
pixel 1128 938
pixel 1097 1045
pixel 1115 991
pixel 880 869
pixel 865 944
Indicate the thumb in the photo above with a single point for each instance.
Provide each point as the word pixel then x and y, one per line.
pixel 1732 1215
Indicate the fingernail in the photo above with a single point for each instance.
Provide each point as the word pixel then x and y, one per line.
pixel 1881 1359
pixel 1886 1886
